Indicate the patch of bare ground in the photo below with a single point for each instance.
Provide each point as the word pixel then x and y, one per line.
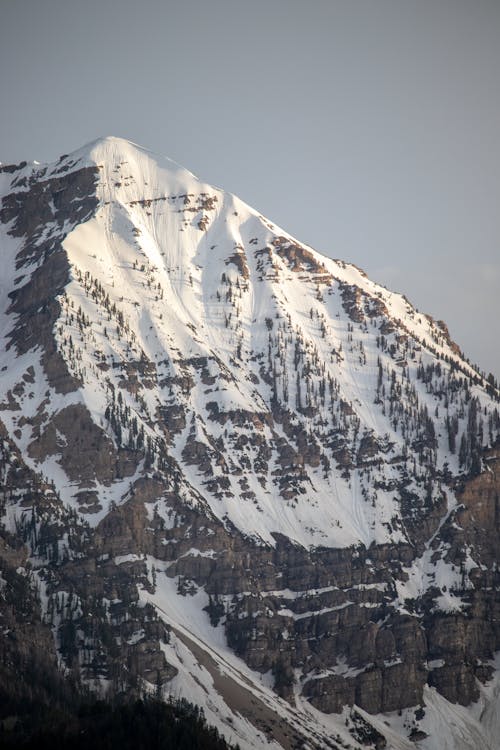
pixel 243 701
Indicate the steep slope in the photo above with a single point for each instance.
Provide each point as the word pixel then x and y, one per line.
pixel 269 450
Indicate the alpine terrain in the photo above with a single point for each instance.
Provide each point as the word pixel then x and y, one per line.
pixel 236 471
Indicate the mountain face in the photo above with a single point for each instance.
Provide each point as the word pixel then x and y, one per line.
pixel 238 470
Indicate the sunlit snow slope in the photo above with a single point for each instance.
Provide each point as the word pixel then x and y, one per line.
pixel 283 389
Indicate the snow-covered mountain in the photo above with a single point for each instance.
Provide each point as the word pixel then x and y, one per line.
pixel 211 428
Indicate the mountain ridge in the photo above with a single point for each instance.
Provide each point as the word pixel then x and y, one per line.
pixel 257 443
pixel 177 274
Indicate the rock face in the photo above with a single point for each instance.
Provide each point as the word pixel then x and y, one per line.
pixel 209 431
pixel 62 201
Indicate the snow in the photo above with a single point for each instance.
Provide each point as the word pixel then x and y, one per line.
pixel 464 728
pixel 186 616
pixel 195 683
pixel 192 282
pixel 163 270
pixel 448 726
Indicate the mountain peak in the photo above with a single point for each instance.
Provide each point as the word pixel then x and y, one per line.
pixel 188 275
pixel 117 151
pixel 207 425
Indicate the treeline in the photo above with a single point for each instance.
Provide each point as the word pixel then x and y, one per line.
pixel 144 724
pixel 42 706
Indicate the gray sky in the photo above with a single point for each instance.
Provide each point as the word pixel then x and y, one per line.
pixel 368 128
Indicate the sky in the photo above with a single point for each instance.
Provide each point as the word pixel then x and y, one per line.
pixel 369 129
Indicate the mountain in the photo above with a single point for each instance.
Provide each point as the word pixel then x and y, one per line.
pixel 236 470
